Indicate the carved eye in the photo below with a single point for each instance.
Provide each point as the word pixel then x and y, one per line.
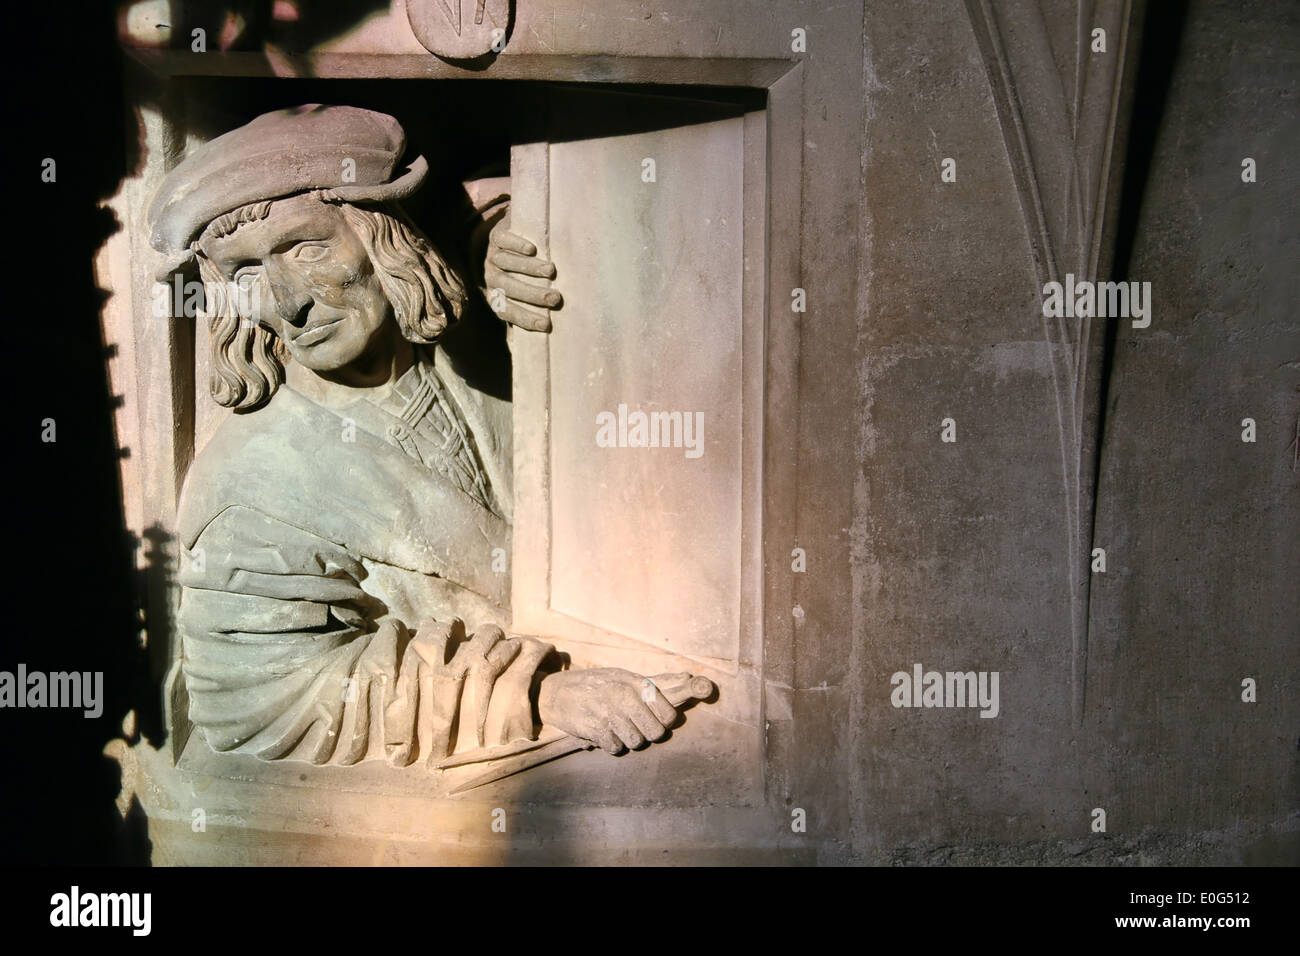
pixel 310 252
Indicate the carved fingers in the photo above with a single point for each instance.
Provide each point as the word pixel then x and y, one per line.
pixel 635 723
pixel 626 732
pixel 517 290
pixel 632 723
pixel 511 242
pixel 502 283
pixel 512 298
pixel 648 726
pixel 527 265
pixel 607 741
pixel 613 708
pixel 657 703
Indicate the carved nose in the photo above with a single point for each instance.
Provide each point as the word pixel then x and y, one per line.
pixel 290 302
pixel 291 306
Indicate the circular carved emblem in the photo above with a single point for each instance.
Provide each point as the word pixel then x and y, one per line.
pixel 461 29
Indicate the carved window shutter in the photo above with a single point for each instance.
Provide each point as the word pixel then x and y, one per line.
pixel 642 204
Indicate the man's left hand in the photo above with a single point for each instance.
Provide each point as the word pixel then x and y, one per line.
pixel 510 256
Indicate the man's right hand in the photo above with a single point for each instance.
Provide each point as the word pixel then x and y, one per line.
pixel 613 708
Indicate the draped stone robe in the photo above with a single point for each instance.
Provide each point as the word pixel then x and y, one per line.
pixel 329 558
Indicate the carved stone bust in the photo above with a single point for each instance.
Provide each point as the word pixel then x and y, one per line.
pixel 341 526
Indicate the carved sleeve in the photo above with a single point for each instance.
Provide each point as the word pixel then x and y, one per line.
pixel 488 201
pixel 287 657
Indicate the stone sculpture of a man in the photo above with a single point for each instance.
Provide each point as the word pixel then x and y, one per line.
pixel 343 522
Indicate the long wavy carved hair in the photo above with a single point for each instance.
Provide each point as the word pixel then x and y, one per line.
pixel 248 359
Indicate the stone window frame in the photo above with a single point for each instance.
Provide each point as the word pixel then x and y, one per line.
pixel 165 394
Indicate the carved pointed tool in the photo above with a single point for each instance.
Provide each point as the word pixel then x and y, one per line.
pixel 539 752
pixel 501 751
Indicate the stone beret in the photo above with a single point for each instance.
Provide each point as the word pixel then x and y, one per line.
pixel 277 155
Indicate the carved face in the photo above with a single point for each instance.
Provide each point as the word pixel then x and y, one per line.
pixel 310 281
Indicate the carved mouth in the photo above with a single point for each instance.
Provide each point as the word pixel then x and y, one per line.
pixel 316 333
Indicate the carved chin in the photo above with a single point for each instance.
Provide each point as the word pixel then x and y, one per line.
pixel 327 353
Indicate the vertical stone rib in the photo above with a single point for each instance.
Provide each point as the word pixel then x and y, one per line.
pixel 1058 145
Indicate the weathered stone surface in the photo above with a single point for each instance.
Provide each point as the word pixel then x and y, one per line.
pixel 922 300
pixel 338 529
